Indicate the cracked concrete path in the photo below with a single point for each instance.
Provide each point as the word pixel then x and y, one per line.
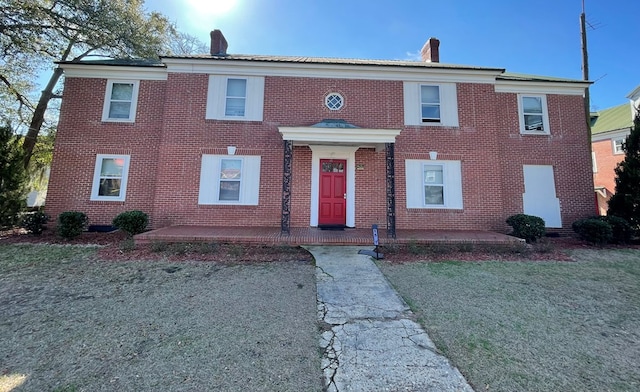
pixel 370 340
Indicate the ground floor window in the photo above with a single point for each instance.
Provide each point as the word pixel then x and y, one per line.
pixel 433 184
pixel 226 179
pixel 110 177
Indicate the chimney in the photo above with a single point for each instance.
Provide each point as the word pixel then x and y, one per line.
pixel 430 51
pixel 218 43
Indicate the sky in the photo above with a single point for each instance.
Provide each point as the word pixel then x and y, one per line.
pixel 540 37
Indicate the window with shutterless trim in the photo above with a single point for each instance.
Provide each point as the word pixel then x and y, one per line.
pixel 110 177
pixel 121 100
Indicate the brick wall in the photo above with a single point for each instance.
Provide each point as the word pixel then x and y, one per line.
pixel 171 133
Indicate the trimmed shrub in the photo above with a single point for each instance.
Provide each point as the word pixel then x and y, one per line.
pixel 131 222
pixel 593 230
pixel 71 224
pixel 34 222
pixel 622 230
pixel 528 227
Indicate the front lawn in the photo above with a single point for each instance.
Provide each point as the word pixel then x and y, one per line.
pixel 532 326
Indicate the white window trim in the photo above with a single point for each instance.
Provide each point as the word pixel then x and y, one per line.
pixel 451 178
pixel 221 180
pixel 439 104
pixel 209 193
pixel 107 100
pixel 613 145
pixel 348 153
pixel 413 104
pixel 444 185
pixel 243 97
pixel 545 114
pixel 95 188
pixel 217 98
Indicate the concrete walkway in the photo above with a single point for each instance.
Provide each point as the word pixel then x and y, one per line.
pixel 370 340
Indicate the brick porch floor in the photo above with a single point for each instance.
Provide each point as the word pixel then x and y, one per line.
pixel 314 236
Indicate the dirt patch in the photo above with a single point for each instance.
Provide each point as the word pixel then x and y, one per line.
pixel 116 246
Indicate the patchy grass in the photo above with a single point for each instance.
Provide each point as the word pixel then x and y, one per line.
pixel 70 321
pixel 534 326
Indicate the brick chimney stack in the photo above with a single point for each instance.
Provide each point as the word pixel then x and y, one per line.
pixel 218 43
pixel 431 51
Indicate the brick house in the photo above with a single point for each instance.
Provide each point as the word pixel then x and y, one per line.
pixel 252 140
pixel 609 129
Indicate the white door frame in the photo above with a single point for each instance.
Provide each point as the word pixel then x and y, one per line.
pixel 333 152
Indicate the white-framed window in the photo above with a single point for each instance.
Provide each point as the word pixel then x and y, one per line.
pixel 617 145
pixel 431 104
pixel 235 98
pixel 120 100
pixel 433 184
pixel 110 177
pixel 594 163
pixel 334 101
pixel 534 117
pixel 229 179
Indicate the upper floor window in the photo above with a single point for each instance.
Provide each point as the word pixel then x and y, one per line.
pixel 110 177
pixel 617 145
pixel 120 101
pixel 534 118
pixel 235 98
pixel 432 104
pixel 334 101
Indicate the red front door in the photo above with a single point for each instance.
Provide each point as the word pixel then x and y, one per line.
pixel 333 192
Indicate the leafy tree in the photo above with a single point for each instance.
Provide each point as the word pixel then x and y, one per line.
pixel 36 33
pixel 13 178
pixel 625 203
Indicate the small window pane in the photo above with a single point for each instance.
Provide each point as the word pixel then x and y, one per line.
pixel 112 167
pixel 230 169
pixel 430 94
pixel 122 91
pixel 430 112
pixel 119 109
pixel 237 88
pixel 433 174
pixel 235 107
pixel 533 123
pixel 332 167
pixel 110 187
pixel 229 190
pixel 434 195
pixel 532 104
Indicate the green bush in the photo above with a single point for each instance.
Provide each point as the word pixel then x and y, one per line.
pixel 593 230
pixel 622 230
pixel 34 222
pixel 131 222
pixel 528 227
pixel 71 224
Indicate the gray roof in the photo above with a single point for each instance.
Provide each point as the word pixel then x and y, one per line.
pixel 325 60
pixel 332 60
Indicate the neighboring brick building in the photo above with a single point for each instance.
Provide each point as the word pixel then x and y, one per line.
pixel 238 140
pixel 609 130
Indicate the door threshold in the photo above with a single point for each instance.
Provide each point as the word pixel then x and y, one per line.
pixel 332 227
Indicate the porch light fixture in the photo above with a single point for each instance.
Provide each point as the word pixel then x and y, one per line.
pixel 433 155
pixel 231 150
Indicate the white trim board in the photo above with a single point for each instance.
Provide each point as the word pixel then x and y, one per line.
pixel 333 152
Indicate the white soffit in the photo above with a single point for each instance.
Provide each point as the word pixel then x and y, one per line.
pixel 332 71
pixel 540 87
pixel 113 72
pixel 339 135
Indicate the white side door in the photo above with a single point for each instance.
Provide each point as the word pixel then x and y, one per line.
pixel 539 197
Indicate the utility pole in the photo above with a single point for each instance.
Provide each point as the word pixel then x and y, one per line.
pixel 585 70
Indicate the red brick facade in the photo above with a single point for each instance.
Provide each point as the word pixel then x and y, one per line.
pixel 170 134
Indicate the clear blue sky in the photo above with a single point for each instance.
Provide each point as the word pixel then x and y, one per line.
pixel 540 37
